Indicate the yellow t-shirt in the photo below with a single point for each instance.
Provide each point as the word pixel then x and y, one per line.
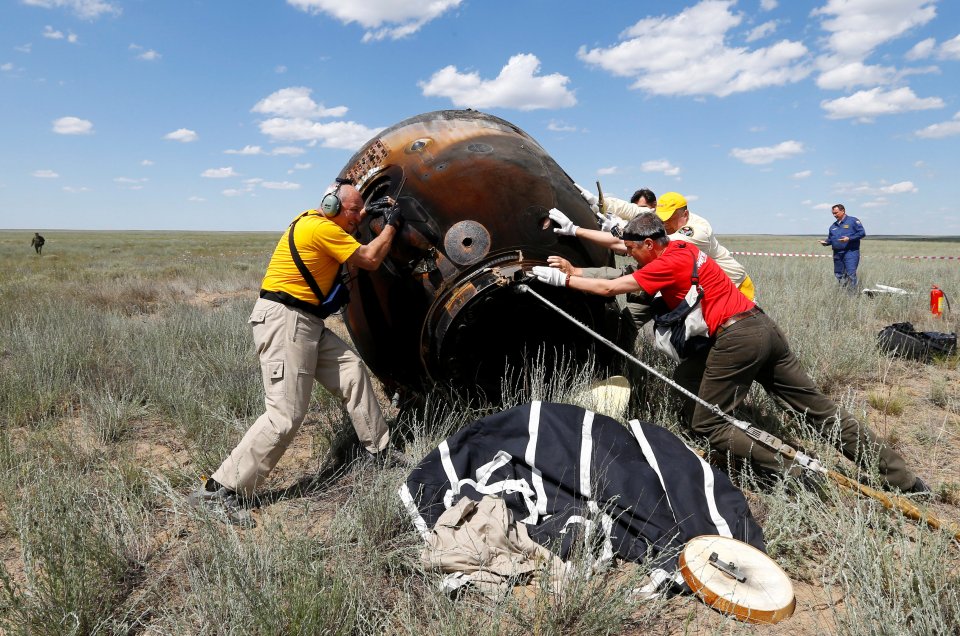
pixel 323 246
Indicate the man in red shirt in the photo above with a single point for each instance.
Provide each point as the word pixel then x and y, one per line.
pixel 747 346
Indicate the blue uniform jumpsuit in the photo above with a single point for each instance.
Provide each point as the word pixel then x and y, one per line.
pixel 846 256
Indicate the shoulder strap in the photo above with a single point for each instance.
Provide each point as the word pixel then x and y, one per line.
pixel 695 276
pixel 307 276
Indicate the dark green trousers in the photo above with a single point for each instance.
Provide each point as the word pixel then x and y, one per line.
pixel 754 349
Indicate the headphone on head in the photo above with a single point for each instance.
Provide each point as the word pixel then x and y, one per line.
pixel 330 203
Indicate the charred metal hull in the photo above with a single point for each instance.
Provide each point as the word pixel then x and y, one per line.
pixel 475 191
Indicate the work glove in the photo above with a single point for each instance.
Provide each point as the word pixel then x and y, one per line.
pixel 393 216
pixel 379 207
pixel 550 275
pixel 567 228
pixel 590 198
pixel 609 221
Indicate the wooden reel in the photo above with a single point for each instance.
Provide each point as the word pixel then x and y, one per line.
pixel 736 579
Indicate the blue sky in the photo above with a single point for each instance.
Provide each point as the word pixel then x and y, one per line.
pixel 203 115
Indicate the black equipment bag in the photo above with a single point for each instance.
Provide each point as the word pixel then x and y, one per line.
pixel 902 340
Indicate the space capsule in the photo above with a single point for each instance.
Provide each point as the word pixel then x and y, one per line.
pixel 475 191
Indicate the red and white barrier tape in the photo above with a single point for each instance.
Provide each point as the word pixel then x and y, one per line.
pixel 934 258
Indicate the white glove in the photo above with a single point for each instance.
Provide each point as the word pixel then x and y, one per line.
pixel 567 228
pixel 609 221
pixel 550 275
pixel 590 198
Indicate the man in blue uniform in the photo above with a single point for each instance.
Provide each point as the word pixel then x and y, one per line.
pixel 844 236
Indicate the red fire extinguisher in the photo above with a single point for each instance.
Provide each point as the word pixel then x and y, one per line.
pixel 936 301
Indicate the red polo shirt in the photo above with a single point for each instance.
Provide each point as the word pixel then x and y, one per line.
pixel 670 273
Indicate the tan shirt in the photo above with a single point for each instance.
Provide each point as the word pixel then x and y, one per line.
pixel 697 231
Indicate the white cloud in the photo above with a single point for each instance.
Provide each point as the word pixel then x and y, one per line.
pixel 516 86
pixel 196 199
pixel 147 54
pixel 128 183
pixel 183 135
pixel 803 174
pixel 6 67
pixel 280 185
pixel 768 5
pixel 302 166
pixel 879 202
pixel 839 75
pixel 295 102
pixel 235 192
pixel 857 27
pixel 280 69
pixel 219 173
pixel 337 134
pixel 45 174
pixel 52 34
pixel 943 129
pixel 72 126
pixel 866 189
pixel 686 54
pixel 762 30
pixel 86 9
pixel 660 165
pixel 289 151
pixel 768 154
pixel 381 18
pixel 899 188
pixel 246 150
pixel 950 50
pixel 556 125
pixel 865 105
pixel 146 162
pixel 75 189
pixel 608 170
pixel 24 48
pixel 922 49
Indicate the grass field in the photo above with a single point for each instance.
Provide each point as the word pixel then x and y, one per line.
pixel 127 370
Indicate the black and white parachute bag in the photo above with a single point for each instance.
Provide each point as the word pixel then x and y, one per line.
pixel 561 468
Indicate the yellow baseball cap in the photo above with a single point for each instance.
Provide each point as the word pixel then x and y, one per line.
pixel 669 203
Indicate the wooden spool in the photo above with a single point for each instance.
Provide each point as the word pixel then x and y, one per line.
pixel 736 579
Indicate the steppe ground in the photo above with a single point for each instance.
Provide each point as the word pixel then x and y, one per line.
pixel 127 371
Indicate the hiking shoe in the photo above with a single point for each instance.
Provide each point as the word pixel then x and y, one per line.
pixel 223 502
pixel 387 458
pixel 919 487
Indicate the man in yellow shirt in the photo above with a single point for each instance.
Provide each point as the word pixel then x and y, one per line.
pixel 295 348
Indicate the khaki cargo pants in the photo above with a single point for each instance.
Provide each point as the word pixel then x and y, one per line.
pixel 295 349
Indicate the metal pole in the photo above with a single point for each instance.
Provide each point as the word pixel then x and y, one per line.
pixel 772 442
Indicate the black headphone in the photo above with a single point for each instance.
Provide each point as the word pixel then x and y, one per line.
pixel 330 203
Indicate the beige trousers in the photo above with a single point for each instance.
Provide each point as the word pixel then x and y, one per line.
pixel 295 349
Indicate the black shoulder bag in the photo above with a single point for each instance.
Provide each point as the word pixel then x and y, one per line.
pixel 682 331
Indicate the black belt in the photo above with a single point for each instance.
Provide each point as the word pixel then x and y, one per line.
pixel 736 317
pixel 290 301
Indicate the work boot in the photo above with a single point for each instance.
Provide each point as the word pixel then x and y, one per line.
pixel 223 502
pixel 389 457
pixel 919 488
